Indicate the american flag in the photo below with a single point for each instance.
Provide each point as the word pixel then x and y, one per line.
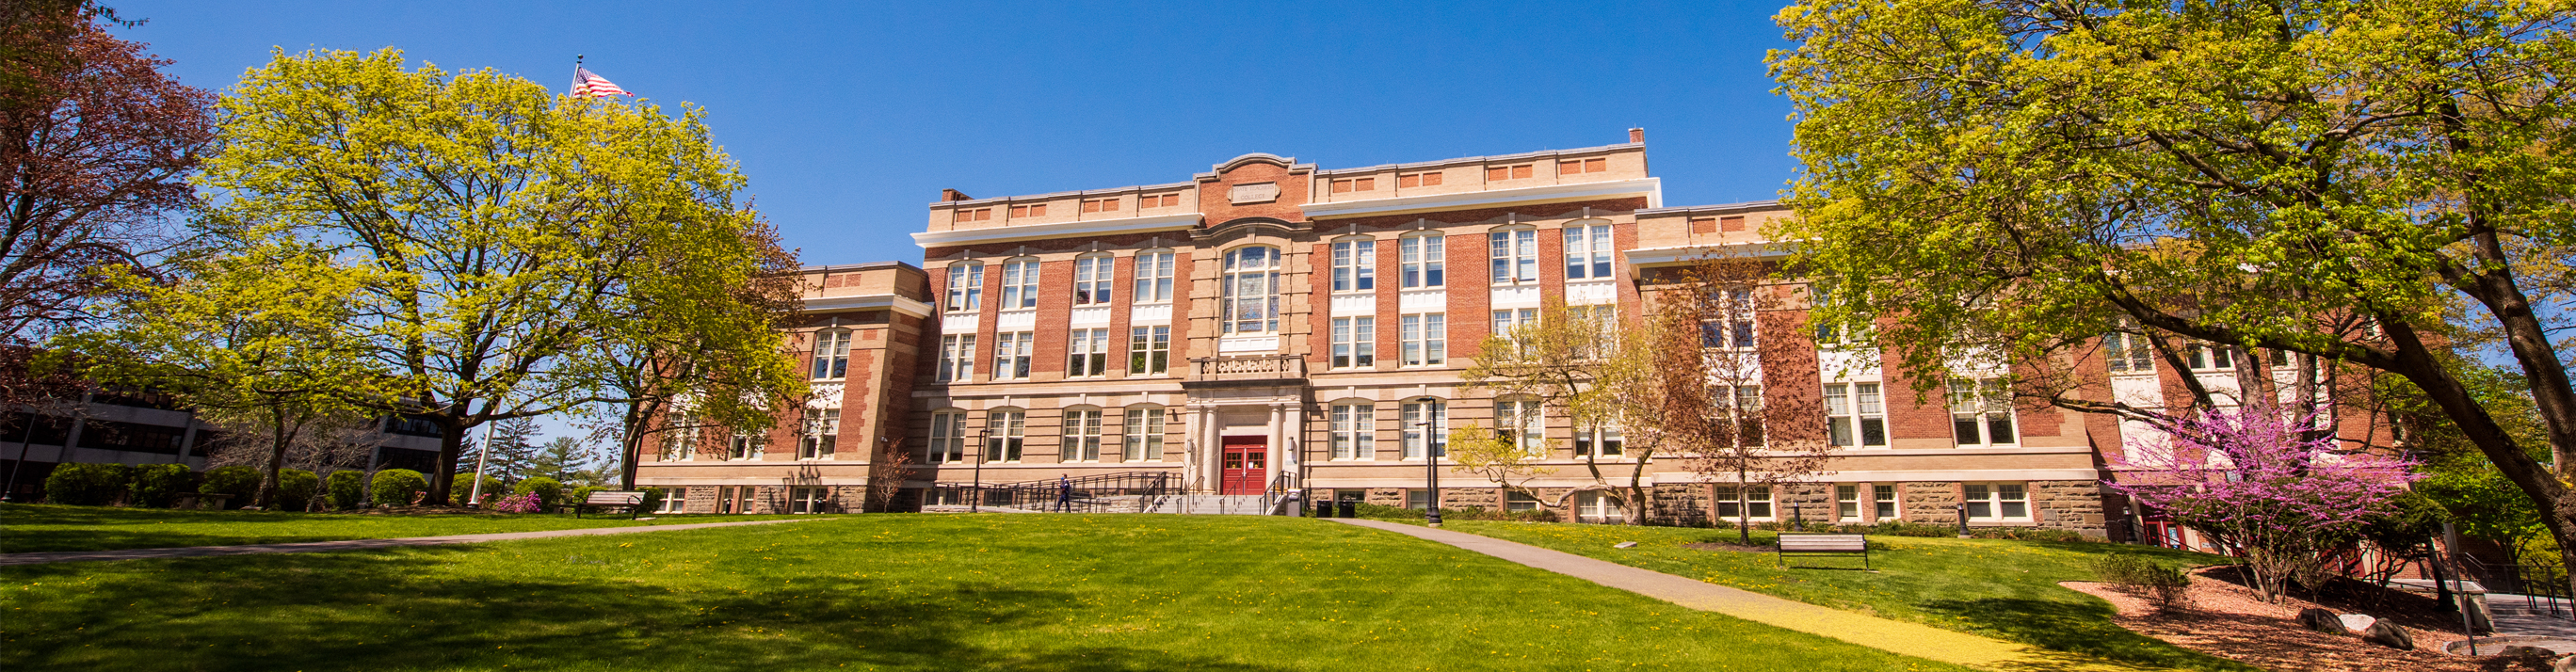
pixel 590 85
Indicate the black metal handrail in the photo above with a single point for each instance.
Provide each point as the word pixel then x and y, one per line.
pixel 2543 588
pixel 1099 493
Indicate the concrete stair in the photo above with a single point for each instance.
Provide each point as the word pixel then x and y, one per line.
pixel 1239 505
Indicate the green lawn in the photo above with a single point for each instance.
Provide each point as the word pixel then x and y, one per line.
pixel 885 592
pixel 27 528
pixel 1993 587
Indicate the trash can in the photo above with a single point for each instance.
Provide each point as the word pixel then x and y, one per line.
pixel 1349 509
pixel 1324 509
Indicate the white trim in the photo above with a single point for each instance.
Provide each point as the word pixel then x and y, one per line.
pixel 1642 258
pixel 871 301
pixel 1094 227
pixel 1652 188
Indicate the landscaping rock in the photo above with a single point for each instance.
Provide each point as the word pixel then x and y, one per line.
pixel 2389 635
pixel 2323 621
pixel 1624 544
pixel 2564 664
pixel 2356 623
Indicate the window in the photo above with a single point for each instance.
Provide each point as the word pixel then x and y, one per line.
pixel 1354 265
pixel 2128 353
pixel 1596 506
pixel 674 500
pixel 1581 166
pixel 1038 210
pixel 1351 431
pixel 1744 404
pixel 733 499
pixel 947 437
pixel 1158 201
pixel 1011 355
pixel 1409 180
pixel 1089 353
pixel 1508 320
pixel 1251 301
pixel 1519 501
pixel 1081 436
pixel 1520 421
pixel 1514 255
pixel 1496 173
pixel 1728 320
pixel 808 499
pixel 1884 498
pixel 1419 500
pixel 974 215
pixel 1100 205
pixel 1153 276
pixel 1855 415
pixel 965 287
pixel 822 430
pixel 1847 502
pixel 1996 501
pixel 1981 412
pixel 1426 428
pixel 1005 433
pixel 2207 357
pixel 1355 184
pixel 746 445
pixel 681 445
pixel 1354 342
pixel 831 354
pixel 1426 339
pixel 956 357
pixel 1093 276
pixel 1019 284
pixel 1149 350
pixel 1144 436
pixel 1421 262
pixel 1603 439
pixel 1587 252
pixel 1752 502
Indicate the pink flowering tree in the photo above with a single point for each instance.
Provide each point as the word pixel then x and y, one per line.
pixel 2265 485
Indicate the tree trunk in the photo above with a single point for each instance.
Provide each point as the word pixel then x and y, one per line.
pixel 632 444
pixel 2536 481
pixel 276 460
pixel 451 444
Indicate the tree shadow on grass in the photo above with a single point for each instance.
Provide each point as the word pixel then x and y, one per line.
pixel 380 610
pixel 2077 628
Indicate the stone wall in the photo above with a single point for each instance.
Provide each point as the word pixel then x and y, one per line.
pixel 2069 505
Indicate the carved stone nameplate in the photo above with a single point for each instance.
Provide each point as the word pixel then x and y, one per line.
pixel 1257 192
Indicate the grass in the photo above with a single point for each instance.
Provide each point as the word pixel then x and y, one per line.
pixel 27 528
pixel 1992 587
pixel 886 592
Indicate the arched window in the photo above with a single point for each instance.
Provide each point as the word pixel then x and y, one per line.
pixel 966 286
pixel 832 354
pixel 1354 264
pixel 947 437
pixel 1006 431
pixel 1093 275
pixel 1081 435
pixel 1514 255
pixel 1142 440
pixel 1020 283
pixel 1251 301
pixel 1421 260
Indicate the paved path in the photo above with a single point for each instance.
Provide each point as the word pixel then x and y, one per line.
pixel 1921 641
pixel 8 559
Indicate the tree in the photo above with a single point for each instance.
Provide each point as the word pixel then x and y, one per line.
pixel 565 459
pixel 2355 184
pixel 704 338
pixel 512 453
pixel 1557 362
pixel 2269 487
pixel 1496 455
pixel 483 222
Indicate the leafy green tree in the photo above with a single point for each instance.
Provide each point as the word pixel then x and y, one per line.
pixel 566 460
pixel 2354 183
pixel 489 229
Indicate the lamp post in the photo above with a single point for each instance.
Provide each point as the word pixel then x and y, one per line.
pixel 1963 519
pixel 982 451
pixel 1430 462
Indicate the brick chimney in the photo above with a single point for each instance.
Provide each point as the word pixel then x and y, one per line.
pixel 952 195
pixel 1636 135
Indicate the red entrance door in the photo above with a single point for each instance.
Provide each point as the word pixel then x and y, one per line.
pixel 1246 465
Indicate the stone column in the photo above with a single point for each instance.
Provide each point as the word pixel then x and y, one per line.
pixel 1278 441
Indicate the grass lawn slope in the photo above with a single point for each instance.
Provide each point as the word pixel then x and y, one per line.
pixel 28 528
pixel 1993 587
pixel 885 592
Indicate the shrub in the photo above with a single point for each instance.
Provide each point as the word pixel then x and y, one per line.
pixel 519 503
pixel 493 489
pixel 348 489
pixel 583 493
pixel 653 499
pixel 295 489
pixel 83 484
pixel 159 485
pixel 1384 512
pixel 2158 584
pixel 239 481
pixel 398 487
pixel 549 493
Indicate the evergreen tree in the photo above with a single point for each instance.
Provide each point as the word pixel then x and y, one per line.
pixel 514 451
pixel 565 459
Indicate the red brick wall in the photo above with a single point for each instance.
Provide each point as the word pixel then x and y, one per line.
pixel 1213 200
pixel 1470 294
pixel 1055 314
pixel 1792 387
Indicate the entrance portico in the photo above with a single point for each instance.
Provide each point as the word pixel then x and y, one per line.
pixel 1245 415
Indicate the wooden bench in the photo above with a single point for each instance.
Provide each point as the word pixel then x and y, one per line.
pixel 632 501
pixel 1824 544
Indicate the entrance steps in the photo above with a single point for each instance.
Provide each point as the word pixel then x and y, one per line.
pixel 1239 505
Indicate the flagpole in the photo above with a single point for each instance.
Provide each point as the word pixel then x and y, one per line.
pixel 576 74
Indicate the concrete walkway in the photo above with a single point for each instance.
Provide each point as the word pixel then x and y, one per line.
pixel 10 559
pixel 1921 641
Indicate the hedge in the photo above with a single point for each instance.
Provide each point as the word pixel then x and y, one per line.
pixel 396 487
pixel 295 489
pixel 348 489
pixel 159 485
pixel 83 484
pixel 464 488
pixel 653 498
pixel 239 481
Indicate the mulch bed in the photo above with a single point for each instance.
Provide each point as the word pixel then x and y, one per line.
pixel 2227 619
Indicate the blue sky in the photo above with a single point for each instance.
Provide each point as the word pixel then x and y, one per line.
pixel 849 118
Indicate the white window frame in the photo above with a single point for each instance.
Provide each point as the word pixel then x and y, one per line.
pixel 1020 283
pixel 1588 251
pixel 1513 254
pixel 1847 503
pixel 674 500
pixel 2205 357
pixel 1426 339
pixel 1979 406
pixel 1997 501
pixel 947 438
pixel 1248 302
pixel 965 287
pixel 831 354
pixel 1081 434
pixel 1352 431
pixel 1149 350
pixel 1598 506
pixel 1086 353
pixel 1012 353
pixel 822 433
pixel 1422 260
pixel 1604 437
pixel 1516 501
pixel 1095 277
pixel 1729 324
pixel 1883 502
pixel 743 446
pixel 956 358
pixel 1731 400
pixel 1731 499
pixel 1416 439
pixel 1354 266
pixel 1153 277
pixel 1853 412
pixel 1006 435
pixel 808 499
pixel 1354 343
pixel 1142 440
pixel 2127 353
pixel 1525 421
